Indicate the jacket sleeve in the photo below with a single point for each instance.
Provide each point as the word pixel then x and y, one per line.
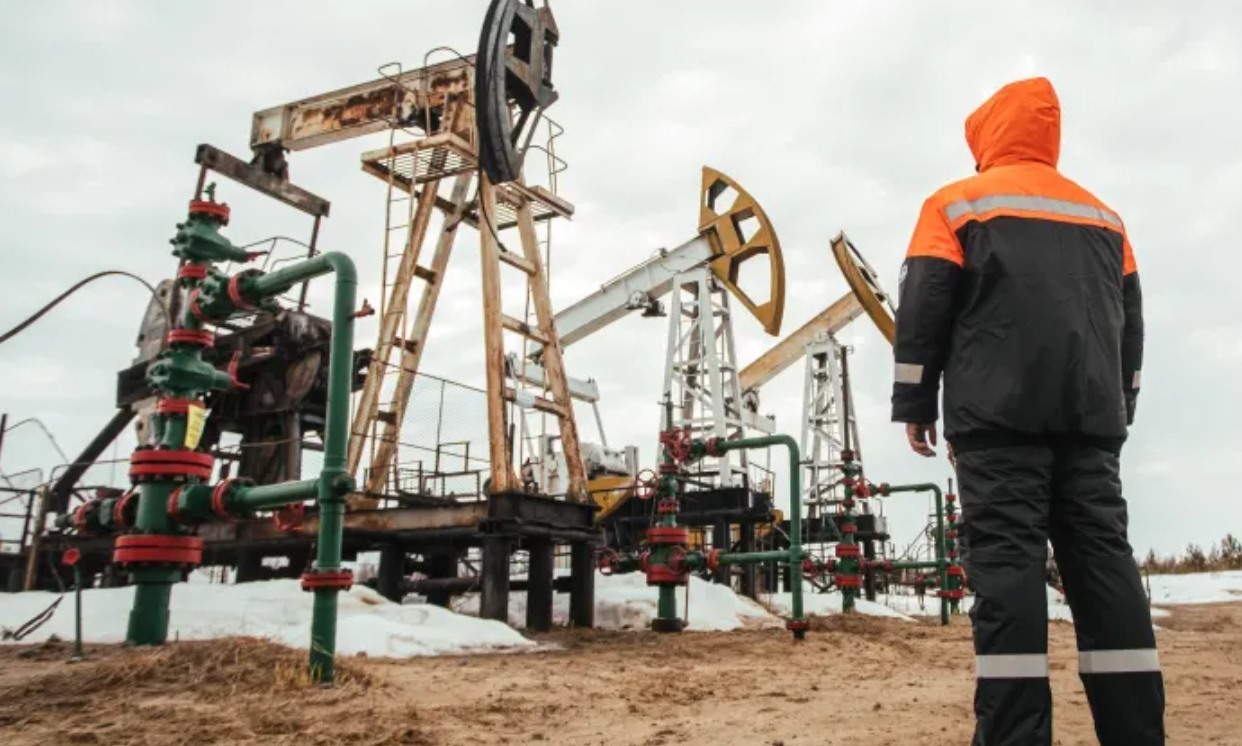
pixel 1132 336
pixel 927 303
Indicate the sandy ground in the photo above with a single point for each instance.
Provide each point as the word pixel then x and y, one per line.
pixel 854 681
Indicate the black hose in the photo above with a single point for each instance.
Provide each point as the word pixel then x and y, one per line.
pixel 56 301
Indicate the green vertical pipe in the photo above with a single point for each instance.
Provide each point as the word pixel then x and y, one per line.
pixel 334 480
pixel 666 619
pixel 795 506
pixel 941 562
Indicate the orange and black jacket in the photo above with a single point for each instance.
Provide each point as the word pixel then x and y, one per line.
pixel 1020 288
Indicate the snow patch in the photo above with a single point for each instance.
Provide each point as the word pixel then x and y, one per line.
pixel 278 610
pixel 1196 588
pixel 826 604
pixel 624 602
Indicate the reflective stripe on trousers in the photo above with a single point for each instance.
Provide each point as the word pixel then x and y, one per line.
pixel 1032 666
pixel 1141 660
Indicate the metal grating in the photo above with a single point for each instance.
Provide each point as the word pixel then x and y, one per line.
pixel 420 165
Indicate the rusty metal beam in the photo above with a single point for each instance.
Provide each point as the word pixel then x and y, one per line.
pixel 408 99
pixel 791 349
pixel 270 184
pixel 451 515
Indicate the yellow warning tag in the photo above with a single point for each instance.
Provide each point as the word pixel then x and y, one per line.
pixel 195 418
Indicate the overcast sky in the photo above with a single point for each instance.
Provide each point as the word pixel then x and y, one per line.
pixel 834 115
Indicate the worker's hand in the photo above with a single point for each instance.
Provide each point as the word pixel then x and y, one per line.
pixel 922 436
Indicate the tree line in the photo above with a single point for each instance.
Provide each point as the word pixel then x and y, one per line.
pixel 1226 555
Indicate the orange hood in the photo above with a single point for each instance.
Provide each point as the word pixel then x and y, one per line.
pixel 1020 122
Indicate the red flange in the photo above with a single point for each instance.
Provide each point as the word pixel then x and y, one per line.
pixel 120 508
pixel 713 559
pixel 848 502
pixel 174 505
pixel 217 500
pixel 847 581
pixel 192 304
pixel 797 625
pixel 192 272
pixel 956 593
pixel 849 528
pixel 176 406
pixel 949 498
pixel 667 505
pixel 883 489
pixel 199 337
pixel 849 550
pixel 235 295
pixel 861 489
pixel 342 580
pixel 170 463
pixel 676 535
pixel 957 570
pixel 290 517
pixel 158 549
pixel 79 517
pixel 217 210
pixel 950 534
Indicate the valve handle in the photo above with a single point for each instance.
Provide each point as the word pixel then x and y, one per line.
pixel 645 487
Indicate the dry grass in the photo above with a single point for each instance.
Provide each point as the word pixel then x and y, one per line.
pixel 230 669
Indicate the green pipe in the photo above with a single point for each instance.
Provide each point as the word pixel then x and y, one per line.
pixel 273 495
pixel 941 562
pixel 794 556
pixel 911 565
pixel 752 558
pixel 334 479
pixel 282 280
pixel 666 619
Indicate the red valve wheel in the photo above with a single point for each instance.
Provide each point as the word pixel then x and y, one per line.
pixel 645 486
pixel 70 557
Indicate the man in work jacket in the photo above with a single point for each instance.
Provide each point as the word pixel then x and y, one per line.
pixel 1021 289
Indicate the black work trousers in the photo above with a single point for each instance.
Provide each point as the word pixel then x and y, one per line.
pixel 1015 498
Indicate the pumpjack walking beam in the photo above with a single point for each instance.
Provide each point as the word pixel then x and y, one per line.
pixel 454 112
